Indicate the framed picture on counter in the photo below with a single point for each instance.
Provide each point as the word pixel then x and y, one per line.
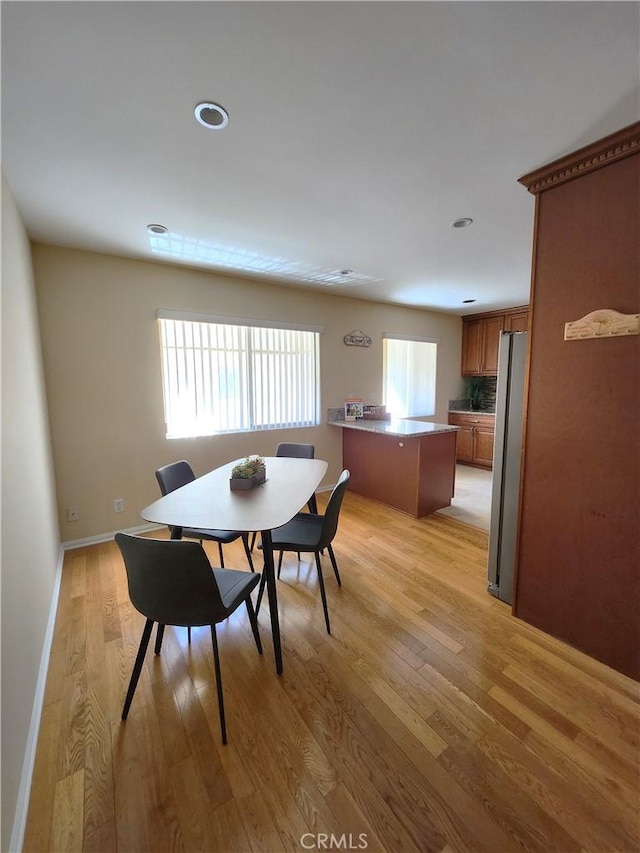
pixel 352 409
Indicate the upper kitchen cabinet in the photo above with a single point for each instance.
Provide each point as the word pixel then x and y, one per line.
pixel 516 322
pixel 481 338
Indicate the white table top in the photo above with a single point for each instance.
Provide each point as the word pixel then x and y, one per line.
pixel 209 503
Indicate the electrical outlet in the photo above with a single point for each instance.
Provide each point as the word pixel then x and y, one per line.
pixel 72 513
pixel 118 505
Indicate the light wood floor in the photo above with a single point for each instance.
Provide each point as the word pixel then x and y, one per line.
pixel 430 721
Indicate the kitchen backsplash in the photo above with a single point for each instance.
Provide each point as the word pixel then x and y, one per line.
pixel 487 400
pixel 337 413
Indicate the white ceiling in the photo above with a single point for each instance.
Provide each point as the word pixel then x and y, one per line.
pixel 358 132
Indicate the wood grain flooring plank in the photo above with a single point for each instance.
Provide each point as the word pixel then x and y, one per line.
pixel 260 828
pixel 111 576
pixel 45 776
pixel 54 687
pixel 229 830
pixel 194 812
pixel 71 743
pixel 98 766
pixel 232 759
pixel 203 747
pixel 77 636
pixel 131 819
pixel 160 808
pixel 94 662
pixel 355 829
pixel 116 676
pixel 101 840
pixel 67 828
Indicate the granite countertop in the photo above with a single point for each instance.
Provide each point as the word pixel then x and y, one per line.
pixel 400 427
pixel 471 412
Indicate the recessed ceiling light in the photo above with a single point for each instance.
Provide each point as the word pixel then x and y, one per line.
pixel 212 116
pixel 466 301
pixel 462 223
pixel 157 229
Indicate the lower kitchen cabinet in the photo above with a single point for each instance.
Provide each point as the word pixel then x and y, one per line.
pixel 474 440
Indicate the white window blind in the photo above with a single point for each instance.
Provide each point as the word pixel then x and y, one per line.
pixel 409 376
pixel 227 377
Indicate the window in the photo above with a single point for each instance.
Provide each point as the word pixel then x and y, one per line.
pixel 409 375
pixel 229 375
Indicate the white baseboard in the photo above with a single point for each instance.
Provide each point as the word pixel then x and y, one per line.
pixel 70 544
pixel 24 791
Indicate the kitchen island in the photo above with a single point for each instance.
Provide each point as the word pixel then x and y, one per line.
pixel 409 465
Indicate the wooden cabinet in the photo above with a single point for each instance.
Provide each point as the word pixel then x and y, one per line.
pixel 474 439
pixel 412 473
pixel 517 322
pixel 481 339
pixel 577 572
pixel 490 343
pixel 471 347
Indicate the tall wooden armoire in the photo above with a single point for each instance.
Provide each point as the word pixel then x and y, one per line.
pixel 578 568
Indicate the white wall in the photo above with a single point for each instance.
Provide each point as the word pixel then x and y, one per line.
pixel 30 540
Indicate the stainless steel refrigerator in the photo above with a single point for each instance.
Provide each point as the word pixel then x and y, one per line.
pixel 512 355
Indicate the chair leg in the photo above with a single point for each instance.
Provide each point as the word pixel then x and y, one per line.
pixel 313 506
pixel 159 636
pixel 137 667
pixel 254 536
pixel 216 661
pixel 280 563
pixel 261 587
pixel 221 555
pixel 189 634
pixel 332 557
pixel 247 550
pixel 323 594
pixel 254 624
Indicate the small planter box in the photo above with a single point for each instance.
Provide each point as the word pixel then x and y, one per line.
pixel 241 484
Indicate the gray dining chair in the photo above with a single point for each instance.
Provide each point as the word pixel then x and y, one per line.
pixel 177 474
pixel 172 583
pixel 299 451
pixel 311 533
pixel 293 450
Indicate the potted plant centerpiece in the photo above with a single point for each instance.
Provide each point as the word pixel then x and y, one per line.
pixel 248 473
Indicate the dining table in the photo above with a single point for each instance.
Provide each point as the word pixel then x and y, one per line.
pixel 209 503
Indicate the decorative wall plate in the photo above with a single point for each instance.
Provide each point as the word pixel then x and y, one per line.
pixel 356 338
pixel 605 323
